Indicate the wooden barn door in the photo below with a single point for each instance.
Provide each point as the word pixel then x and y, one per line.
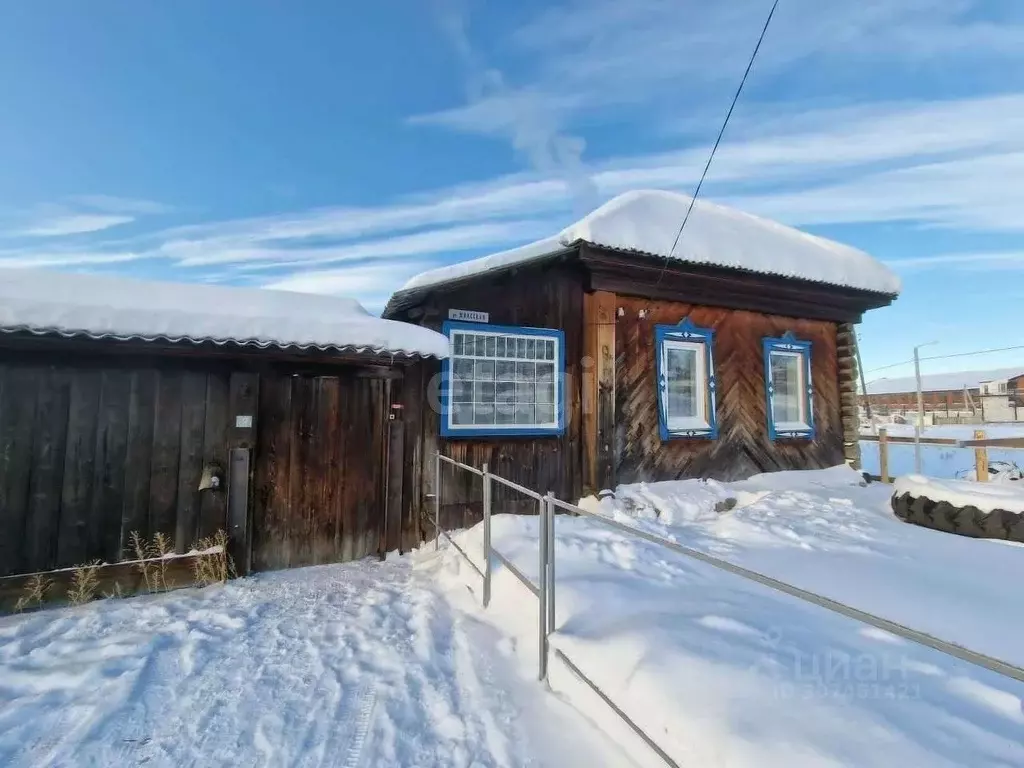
pixel 319 470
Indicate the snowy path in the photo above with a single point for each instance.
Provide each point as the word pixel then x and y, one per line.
pixel 364 664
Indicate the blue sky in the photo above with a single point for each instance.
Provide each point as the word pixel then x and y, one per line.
pixel 343 148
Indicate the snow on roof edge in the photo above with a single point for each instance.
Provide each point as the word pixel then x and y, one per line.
pixel 104 307
pixel 646 221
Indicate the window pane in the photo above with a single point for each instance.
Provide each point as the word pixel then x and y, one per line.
pixel 484 370
pixel 506 371
pixel 504 414
pixel 462 391
pixel 787 396
pixel 531 348
pixel 499 347
pixel 550 349
pixel 681 381
pixel 457 343
pixel 526 372
pixel 481 346
pixel 545 414
pixel 462 369
pixel 506 393
pixel 545 393
pixel 520 348
pixel 483 413
pixel 525 414
pixel 462 413
pixel 545 371
pixel 526 393
pixel 483 392
pixel 489 346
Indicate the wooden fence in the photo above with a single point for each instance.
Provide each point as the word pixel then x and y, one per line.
pixel 979 443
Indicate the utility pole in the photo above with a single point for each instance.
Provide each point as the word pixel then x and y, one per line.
pixel 863 386
pixel 920 407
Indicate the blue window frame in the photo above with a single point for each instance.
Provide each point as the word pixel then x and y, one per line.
pixel 686 381
pixel 502 380
pixel 788 386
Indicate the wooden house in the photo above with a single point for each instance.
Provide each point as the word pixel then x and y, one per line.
pixel 130 406
pixel 610 353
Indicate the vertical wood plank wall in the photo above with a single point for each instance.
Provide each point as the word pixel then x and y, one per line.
pixel 549 297
pixel 743 447
pixel 90 453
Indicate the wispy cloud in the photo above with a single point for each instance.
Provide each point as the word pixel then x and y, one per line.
pixel 73 224
pixel 115 204
pixel 992 261
pixel 371 284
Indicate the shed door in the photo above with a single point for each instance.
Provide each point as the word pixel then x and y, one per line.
pixel 318 470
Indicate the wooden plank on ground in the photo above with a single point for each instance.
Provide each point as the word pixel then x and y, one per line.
pixel 120 578
pixel 166 456
pixel 73 538
pixel 190 460
pixel 17 415
pixel 111 452
pixel 45 485
pixel 138 455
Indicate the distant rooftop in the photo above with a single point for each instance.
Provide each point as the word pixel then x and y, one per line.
pixel 939 382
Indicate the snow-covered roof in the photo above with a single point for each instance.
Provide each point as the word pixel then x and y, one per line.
pixel 940 382
pixel 646 222
pixel 122 308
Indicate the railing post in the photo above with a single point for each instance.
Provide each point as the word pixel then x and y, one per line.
pixel 437 501
pixel 883 454
pixel 542 617
pixel 980 458
pixel 487 536
pixel 551 560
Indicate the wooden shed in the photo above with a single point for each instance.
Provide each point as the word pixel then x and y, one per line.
pixel 184 409
pixel 610 354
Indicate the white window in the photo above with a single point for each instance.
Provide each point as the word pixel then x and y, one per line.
pixel 788 387
pixel 685 385
pixel 789 406
pixel 503 380
pixel 686 381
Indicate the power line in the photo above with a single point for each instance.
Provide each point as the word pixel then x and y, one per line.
pixel 946 357
pixel 718 141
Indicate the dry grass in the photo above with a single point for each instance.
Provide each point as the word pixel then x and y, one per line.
pixel 35 592
pixel 152 559
pixel 84 583
pixel 213 568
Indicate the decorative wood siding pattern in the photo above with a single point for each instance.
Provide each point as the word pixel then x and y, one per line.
pixel 743 447
pixel 91 451
pixel 846 360
pixel 548 297
pixel 319 468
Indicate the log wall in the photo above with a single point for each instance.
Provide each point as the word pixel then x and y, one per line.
pixel 743 447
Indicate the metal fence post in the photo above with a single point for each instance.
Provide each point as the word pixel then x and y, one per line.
pixel 542 618
pixel 487 537
pixel 551 560
pixel 437 501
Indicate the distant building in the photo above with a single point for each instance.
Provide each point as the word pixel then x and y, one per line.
pixel 992 394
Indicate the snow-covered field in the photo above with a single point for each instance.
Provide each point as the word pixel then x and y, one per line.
pixel 725 672
pixel 940 460
pixel 364 664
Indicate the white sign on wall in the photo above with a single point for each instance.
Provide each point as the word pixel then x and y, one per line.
pixel 469 315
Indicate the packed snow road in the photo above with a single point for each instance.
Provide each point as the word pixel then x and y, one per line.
pixel 364 664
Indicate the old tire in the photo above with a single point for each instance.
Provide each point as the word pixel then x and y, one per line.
pixel 964 521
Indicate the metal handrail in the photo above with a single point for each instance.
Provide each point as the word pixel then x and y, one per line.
pixel 944 646
pixel 517 573
pixel 517 487
pixel 459 464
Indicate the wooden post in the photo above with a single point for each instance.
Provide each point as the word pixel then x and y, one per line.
pixel 883 454
pixel 243 401
pixel 980 458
